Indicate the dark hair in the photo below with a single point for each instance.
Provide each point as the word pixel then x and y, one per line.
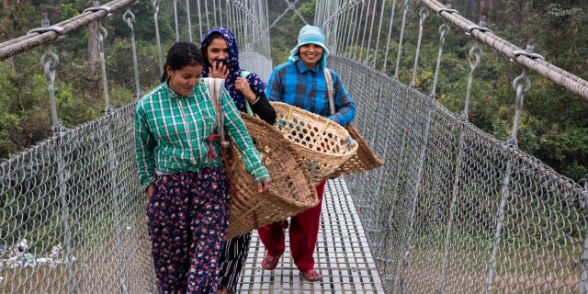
pixel 208 41
pixel 182 54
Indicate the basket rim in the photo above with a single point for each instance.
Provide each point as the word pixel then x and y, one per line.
pixel 349 151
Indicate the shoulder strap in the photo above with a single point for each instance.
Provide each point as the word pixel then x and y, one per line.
pixel 329 80
pixel 245 74
pixel 330 90
pixel 215 88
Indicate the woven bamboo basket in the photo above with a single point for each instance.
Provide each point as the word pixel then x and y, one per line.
pixel 291 190
pixel 322 143
pixel 364 160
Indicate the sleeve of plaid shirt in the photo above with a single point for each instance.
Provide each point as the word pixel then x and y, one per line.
pixel 144 144
pixel 238 132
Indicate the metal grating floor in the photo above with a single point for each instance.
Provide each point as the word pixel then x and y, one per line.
pixel 342 255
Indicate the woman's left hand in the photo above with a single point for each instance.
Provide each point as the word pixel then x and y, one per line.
pixel 263 186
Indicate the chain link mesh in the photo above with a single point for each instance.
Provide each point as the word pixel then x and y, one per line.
pixel 453 208
pixel 73 215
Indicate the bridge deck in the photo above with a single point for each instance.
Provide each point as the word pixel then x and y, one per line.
pixel 342 256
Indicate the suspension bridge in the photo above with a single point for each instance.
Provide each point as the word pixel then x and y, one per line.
pixel 453 210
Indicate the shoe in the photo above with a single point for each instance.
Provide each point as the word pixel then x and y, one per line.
pixel 311 275
pixel 270 262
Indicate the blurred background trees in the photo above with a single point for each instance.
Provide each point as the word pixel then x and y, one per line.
pixel 553 127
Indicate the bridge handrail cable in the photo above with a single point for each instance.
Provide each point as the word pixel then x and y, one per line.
pixel 557 75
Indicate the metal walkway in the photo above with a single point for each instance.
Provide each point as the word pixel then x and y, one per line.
pixel 342 256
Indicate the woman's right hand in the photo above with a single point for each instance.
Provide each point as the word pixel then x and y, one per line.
pixel 149 191
pixel 219 70
pixel 263 186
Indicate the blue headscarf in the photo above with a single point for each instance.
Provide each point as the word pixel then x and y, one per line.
pixel 310 35
pixel 255 82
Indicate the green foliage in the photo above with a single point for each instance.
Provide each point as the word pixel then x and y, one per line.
pixel 307 12
pixel 79 93
pixel 553 122
pixel 24 117
pixel 122 66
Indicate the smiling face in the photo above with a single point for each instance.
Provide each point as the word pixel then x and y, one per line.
pixel 217 50
pixel 183 81
pixel 310 54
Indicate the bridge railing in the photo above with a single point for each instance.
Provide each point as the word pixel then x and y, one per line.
pixel 453 207
pixel 72 213
pixel 453 210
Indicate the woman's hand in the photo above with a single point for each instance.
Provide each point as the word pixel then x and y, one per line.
pixel 263 186
pixel 242 85
pixel 219 70
pixel 149 191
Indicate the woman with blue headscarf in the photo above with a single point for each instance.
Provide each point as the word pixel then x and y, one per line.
pixel 221 60
pixel 301 82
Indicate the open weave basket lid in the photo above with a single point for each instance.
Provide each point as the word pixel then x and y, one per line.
pixel 324 144
pixel 291 190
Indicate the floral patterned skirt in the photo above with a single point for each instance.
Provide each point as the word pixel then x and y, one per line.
pixel 187 218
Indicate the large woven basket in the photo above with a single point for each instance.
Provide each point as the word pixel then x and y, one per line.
pixel 364 160
pixel 322 143
pixel 291 190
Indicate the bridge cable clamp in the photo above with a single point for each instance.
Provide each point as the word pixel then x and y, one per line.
pixel 41 30
pixel 512 142
pixel 448 10
pixel 483 29
pixel 45 27
pixel 99 8
pixel 531 55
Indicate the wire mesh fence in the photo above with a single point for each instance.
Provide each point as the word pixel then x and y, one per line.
pixel 454 210
pixel 73 215
pixel 72 211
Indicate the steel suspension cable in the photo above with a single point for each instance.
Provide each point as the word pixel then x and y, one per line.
pixel 388 38
pixel 369 34
pixel 34 38
pixel 423 13
pixel 357 51
pixel 406 2
pixel 557 75
pixel 380 23
pixel 199 9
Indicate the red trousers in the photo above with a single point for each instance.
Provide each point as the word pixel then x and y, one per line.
pixel 303 234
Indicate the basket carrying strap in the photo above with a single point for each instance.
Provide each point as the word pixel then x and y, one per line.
pixel 331 93
pixel 245 74
pixel 330 90
pixel 215 87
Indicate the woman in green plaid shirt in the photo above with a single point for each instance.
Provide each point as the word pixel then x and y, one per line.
pixel 187 210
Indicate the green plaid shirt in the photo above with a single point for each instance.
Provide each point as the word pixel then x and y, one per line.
pixel 171 133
